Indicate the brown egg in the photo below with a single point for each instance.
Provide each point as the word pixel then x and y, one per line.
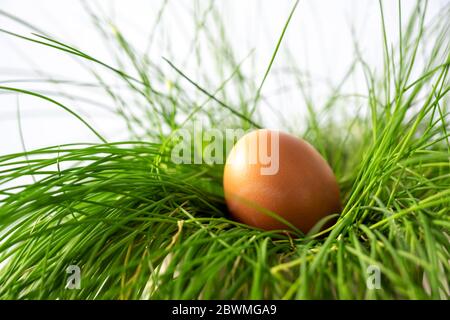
pixel 270 172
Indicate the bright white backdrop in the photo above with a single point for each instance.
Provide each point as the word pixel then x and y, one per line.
pixel 319 37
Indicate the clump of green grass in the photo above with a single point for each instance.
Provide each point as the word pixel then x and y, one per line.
pixel 141 227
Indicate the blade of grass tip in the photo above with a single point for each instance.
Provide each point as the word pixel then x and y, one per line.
pixel 35 94
pixel 39 42
pixel 272 59
pixel 237 113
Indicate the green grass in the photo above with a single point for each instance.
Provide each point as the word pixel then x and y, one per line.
pixel 141 227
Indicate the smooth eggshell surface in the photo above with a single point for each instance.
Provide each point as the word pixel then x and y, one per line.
pixel 301 187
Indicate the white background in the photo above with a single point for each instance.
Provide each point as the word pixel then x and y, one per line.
pixel 319 37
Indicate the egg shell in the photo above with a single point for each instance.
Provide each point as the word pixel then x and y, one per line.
pixel 302 191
